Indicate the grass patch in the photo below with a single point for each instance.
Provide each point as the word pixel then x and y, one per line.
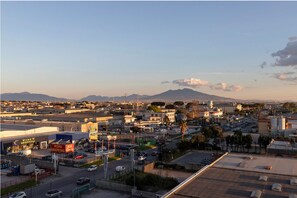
pixel 18 187
pixel 144 147
pixel 97 162
pixel 113 158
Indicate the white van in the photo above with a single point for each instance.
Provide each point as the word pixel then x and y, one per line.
pixel 25 152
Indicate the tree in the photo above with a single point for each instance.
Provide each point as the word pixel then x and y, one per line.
pixel 248 142
pixel 198 140
pixel 178 103
pixel 167 121
pixel 170 106
pixel 183 127
pixel 154 108
pixel 159 104
pixel 264 141
pixel 135 129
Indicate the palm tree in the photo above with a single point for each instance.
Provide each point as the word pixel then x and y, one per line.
pixel 167 121
pixel 183 127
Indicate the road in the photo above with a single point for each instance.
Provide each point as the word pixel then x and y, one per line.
pixel 68 184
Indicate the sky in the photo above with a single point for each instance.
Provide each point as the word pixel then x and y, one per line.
pixel 242 50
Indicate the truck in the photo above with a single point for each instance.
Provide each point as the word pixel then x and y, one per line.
pixel 27 169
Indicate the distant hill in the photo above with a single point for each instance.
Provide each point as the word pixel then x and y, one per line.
pixel 132 97
pixel 186 95
pixel 170 95
pixel 26 96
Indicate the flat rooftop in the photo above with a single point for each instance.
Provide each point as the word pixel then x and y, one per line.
pixel 282 166
pixel 228 183
pixel 34 135
pixel 14 127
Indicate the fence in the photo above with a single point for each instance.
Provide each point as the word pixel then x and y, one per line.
pixel 140 193
pixel 116 175
pixel 16 181
pixel 113 186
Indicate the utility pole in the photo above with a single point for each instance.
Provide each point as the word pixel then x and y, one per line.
pixel 105 159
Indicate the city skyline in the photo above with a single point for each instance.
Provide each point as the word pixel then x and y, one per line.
pixel 241 50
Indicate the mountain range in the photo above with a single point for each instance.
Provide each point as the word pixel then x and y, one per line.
pixel 170 95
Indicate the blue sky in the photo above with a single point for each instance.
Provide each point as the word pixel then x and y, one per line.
pixel 74 49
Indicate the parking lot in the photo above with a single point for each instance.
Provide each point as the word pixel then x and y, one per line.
pixel 195 157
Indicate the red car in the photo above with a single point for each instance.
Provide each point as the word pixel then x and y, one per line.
pixel 79 157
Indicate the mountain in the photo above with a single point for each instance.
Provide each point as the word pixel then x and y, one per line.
pixel 26 96
pixel 170 95
pixel 186 95
pixel 132 97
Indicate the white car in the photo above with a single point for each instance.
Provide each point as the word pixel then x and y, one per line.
pixel 120 168
pixel 92 168
pixel 39 171
pixel 20 194
pixel 53 193
pixel 140 158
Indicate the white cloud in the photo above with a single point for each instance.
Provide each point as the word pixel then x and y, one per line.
pixel 226 87
pixel 191 82
pixel 263 64
pixel 293 38
pixel 165 82
pixel 288 55
pixel 197 83
pixel 285 76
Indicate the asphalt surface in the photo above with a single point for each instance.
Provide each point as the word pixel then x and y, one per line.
pixel 68 184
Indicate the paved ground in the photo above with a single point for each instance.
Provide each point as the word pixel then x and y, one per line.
pixel 194 157
pixel 230 183
pixel 280 165
pixel 66 180
pixel 100 193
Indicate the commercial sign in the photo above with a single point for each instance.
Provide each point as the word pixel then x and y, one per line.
pixel 28 141
pixel 62 148
pixel 93 136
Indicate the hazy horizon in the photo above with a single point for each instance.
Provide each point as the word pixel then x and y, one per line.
pixel 241 50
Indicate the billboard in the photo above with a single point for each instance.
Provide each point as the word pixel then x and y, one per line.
pixel 62 148
pixel 93 136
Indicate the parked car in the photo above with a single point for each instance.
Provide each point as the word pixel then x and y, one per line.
pixel 20 194
pixel 92 168
pixel 140 162
pixel 54 193
pixel 83 180
pixel 79 157
pixel 140 158
pixel 39 171
pixel 155 153
pixel 120 168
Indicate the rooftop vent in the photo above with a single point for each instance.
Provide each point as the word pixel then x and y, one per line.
pixel 249 157
pixel 263 178
pixel 277 187
pixel 256 194
pixel 293 181
pixel 268 167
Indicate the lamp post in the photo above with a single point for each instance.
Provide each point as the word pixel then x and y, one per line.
pixel 109 137
pixel 114 142
pixel 36 176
